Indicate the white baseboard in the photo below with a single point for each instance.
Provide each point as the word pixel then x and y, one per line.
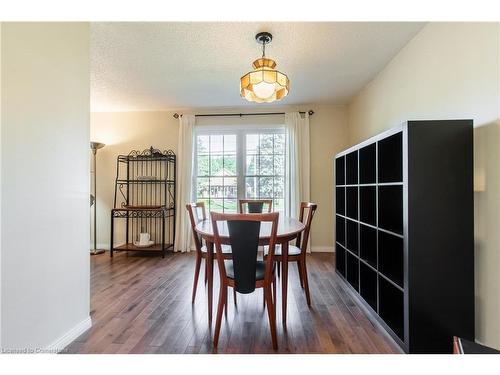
pixel 314 249
pixel 106 247
pixel 100 246
pixel 69 336
pixel 322 249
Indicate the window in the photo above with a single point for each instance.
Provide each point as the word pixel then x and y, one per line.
pixel 217 178
pixel 265 167
pixel 237 164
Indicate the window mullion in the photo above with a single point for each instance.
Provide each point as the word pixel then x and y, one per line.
pixel 241 159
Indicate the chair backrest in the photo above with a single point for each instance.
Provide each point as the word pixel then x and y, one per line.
pixel 244 231
pixel 255 206
pixel 193 210
pixel 302 239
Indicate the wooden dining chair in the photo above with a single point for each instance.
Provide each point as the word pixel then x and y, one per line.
pixel 255 206
pixel 298 252
pixel 244 273
pixel 201 251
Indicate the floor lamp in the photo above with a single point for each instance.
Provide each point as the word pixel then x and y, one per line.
pixel 94 146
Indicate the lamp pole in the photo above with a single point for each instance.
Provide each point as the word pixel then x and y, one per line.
pixel 94 146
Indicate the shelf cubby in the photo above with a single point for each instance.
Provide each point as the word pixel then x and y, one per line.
pixel 390 208
pixel 368 244
pixel 391 306
pixel 368 204
pixel 352 270
pixel 390 159
pixel 368 285
pixel 340 229
pixel 352 202
pixel 391 257
pixel 352 235
pixel 368 164
pixel 340 200
pixel 340 254
pixel 351 165
pixel 340 171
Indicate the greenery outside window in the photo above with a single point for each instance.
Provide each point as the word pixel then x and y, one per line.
pixel 239 163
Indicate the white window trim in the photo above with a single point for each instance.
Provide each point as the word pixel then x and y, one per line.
pixel 241 131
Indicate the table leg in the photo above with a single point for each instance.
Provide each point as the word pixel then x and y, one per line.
pixel 210 277
pixel 284 279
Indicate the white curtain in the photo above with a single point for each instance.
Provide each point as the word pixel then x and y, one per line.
pixel 183 235
pixel 297 162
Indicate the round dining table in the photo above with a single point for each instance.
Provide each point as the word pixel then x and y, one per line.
pixel 288 229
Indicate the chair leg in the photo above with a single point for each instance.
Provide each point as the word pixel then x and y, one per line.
pixel 210 286
pixel 284 291
pixel 196 275
pixel 299 266
pixel 271 312
pixel 206 272
pixel 278 266
pixel 274 290
pixel 220 309
pixel 306 282
pixel 225 310
pixel 234 297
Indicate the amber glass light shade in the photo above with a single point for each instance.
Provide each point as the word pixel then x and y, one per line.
pixel 264 84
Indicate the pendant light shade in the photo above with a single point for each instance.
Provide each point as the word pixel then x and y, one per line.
pixel 264 84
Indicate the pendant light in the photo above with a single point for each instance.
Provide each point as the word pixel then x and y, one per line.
pixel 264 84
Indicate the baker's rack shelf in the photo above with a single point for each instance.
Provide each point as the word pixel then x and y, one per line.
pixel 144 201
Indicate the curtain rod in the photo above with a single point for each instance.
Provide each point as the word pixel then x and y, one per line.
pixel 176 115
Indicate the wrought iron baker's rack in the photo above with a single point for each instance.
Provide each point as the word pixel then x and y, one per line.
pixel 144 200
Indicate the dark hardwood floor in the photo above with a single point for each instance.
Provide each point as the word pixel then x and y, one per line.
pixel 142 304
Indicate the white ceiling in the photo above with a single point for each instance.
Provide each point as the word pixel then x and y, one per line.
pixel 169 65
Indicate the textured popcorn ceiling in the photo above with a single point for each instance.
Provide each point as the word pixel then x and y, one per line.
pixel 155 66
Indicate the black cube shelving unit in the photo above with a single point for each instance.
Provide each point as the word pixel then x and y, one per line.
pixel 404 231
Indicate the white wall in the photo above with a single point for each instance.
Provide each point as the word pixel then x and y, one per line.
pixel 124 131
pixel 450 70
pixel 45 191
